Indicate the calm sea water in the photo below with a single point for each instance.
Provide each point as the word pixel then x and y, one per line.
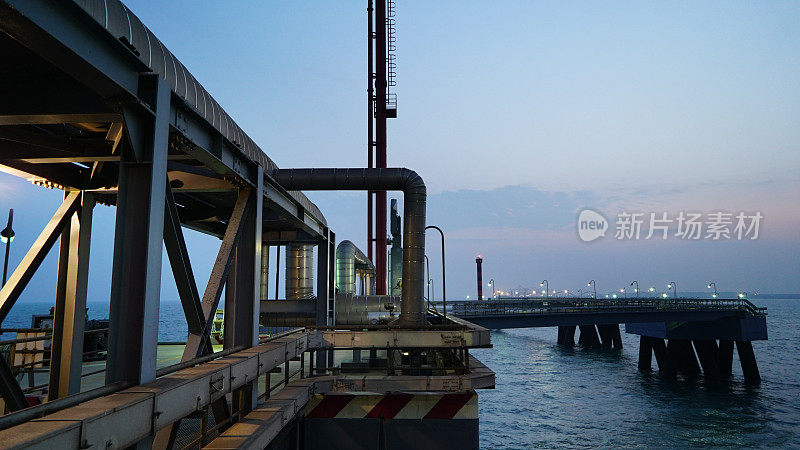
pixel 548 396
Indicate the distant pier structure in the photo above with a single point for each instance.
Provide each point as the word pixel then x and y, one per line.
pixel 687 336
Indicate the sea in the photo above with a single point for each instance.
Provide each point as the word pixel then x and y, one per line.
pixel 553 397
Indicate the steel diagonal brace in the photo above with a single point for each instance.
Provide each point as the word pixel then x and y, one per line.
pixel 10 390
pixel 182 269
pixel 36 254
pixel 199 344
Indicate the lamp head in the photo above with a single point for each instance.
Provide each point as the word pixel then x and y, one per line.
pixel 7 235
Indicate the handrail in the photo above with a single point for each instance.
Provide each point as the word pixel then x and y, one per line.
pixel 581 305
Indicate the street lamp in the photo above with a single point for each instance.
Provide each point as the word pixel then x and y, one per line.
pixel 624 292
pixel 491 283
pixel 428 276
pixel 715 288
pixel 636 289
pixel 6 236
pixel 592 283
pixel 653 291
pixel 674 286
pixel 546 289
pixel 444 279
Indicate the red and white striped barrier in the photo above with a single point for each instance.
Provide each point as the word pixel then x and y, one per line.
pixel 395 405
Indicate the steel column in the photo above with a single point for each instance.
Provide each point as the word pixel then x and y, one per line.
pixel 136 273
pixel 69 318
pixel 242 308
pixel 241 315
pixel 323 263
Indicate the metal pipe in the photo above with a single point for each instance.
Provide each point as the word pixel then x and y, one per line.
pixel 413 187
pixel 444 278
pixel 350 258
pixel 299 271
pixel 370 121
pixel 380 145
pixel 50 407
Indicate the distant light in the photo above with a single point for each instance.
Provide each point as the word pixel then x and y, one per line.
pixel 606 295
pixel 709 286
pixel 664 295
pixel 614 296
pixel 622 290
pixel 669 285
pixel 588 284
pixel 541 284
pixel 714 296
pixel 652 289
pixel 565 291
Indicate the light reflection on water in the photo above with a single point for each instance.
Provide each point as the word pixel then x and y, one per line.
pixel 554 397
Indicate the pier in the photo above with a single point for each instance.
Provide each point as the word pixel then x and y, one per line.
pixel 672 329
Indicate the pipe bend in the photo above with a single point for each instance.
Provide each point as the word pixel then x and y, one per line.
pixel 413 312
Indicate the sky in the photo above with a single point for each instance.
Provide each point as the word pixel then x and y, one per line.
pixel 518 115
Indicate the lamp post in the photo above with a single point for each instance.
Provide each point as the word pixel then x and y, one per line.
pixel 494 290
pixel 444 278
pixel 674 286
pixel 636 289
pixel 6 236
pixel 428 277
pixel 546 289
pixel 592 283
pixel 624 292
pixel 430 286
pixel 652 290
pixel 715 288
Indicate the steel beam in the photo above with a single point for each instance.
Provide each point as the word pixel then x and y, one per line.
pixel 27 267
pixel 44 119
pixel 69 318
pixel 136 273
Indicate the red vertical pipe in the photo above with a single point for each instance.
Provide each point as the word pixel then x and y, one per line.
pixel 479 261
pixel 380 141
pixel 370 123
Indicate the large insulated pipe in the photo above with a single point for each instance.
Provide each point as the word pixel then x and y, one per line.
pixel 348 259
pixel 414 193
pixel 299 271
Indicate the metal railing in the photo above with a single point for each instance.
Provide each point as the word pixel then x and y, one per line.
pixel 524 306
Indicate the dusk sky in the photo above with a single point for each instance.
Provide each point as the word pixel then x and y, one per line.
pixel 518 115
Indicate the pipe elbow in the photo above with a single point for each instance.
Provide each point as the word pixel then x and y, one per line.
pixel 413 183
